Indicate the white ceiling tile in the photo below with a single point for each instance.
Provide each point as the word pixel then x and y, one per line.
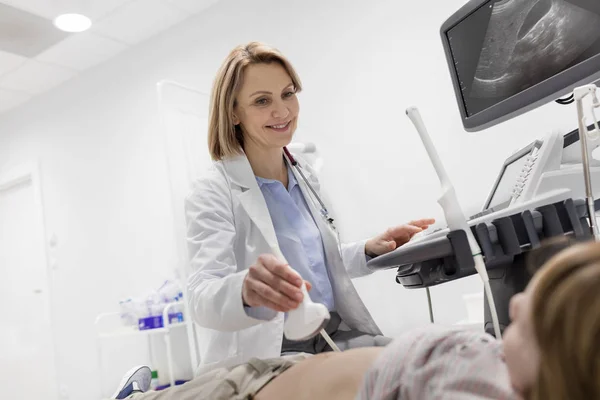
pixel 10 99
pixel 9 61
pixel 192 6
pixel 95 9
pixel 82 51
pixel 35 77
pixel 139 20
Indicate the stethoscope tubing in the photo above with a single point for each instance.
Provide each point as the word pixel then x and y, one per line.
pixel 324 211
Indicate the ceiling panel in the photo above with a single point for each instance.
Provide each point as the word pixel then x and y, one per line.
pixel 192 6
pixel 139 20
pixel 26 34
pixel 49 9
pixel 36 77
pixel 42 8
pixel 82 51
pixel 97 9
pixel 10 99
pixel 36 57
pixel 9 61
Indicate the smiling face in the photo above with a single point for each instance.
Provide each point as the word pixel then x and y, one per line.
pixel 266 106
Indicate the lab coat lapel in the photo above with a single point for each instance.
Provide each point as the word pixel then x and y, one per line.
pixel 251 198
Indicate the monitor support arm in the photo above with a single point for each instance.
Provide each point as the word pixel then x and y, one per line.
pixel 579 94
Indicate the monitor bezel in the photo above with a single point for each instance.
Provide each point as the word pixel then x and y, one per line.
pixel 533 97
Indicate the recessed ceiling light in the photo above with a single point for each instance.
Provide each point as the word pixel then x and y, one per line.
pixel 72 22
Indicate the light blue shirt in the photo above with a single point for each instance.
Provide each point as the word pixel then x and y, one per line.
pixel 299 238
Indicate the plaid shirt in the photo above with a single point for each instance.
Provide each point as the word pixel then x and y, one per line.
pixel 439 363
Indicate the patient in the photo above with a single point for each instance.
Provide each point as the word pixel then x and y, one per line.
pixel 550 351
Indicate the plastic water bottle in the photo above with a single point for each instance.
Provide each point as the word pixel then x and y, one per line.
pixel 139 308
pixel 154 382
pixel 169 291
pixel 179 307
pixel 154 304
pixel 127 313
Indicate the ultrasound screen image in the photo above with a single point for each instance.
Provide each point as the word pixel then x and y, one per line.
pixel 508 46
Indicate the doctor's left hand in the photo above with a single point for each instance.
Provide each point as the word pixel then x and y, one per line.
pixel 395 237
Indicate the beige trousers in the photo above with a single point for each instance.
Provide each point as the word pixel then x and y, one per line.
pixel 241 382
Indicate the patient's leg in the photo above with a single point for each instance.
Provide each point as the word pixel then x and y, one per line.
pixel 242 381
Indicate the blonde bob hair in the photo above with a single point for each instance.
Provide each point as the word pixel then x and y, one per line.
pixel 225 139
pixel 566 320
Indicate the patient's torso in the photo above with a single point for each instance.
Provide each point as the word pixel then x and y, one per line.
pixel 432 362
pixel 332 376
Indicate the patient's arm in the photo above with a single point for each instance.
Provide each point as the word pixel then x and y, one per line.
pixel 332 376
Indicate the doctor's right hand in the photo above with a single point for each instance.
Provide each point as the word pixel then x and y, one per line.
pixel 272 283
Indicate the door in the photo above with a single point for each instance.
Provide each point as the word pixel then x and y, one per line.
pixel 27 365
pixel 184 115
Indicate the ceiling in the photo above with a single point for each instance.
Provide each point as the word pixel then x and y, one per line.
pixel 36 57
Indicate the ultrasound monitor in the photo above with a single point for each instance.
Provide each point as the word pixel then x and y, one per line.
pixel 507 57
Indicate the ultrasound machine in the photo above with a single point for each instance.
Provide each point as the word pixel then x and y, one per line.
pixel 507 57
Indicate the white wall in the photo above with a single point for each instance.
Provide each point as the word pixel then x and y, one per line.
pixel 362 63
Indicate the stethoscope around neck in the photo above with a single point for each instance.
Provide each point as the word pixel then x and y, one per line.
pixel 324 212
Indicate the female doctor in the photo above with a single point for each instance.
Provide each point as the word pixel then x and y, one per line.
pixel 254 203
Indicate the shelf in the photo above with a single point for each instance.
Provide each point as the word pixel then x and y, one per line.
pixel 109 327
pixel 132 331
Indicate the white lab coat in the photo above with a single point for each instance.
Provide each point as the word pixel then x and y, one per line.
pixel 228 227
